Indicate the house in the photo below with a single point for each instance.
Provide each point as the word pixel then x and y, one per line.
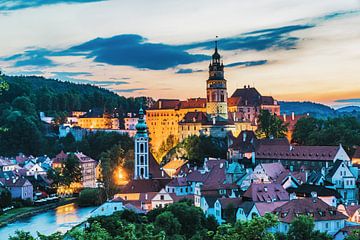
pixel 225 209
pixel 346 231
pixel 207 204
pixel 266 192
pixel 246 211
pixel 351 211
pixel 179 186
pixel 34 169
pixel 108 208
pixel 20 188
pixel 344 177
pixel 266 173
pixel 328 195
pixel 241 146
pixel 7 164
pixel 326 218
pixel 296 157
pixel 161 199
pixel 173 167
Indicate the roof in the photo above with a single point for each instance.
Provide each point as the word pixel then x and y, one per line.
pixel 230 202
pixel 145 185
pixel 177 104
pixel 273 170
pixel 6 162
pixel 356 153
pixel 305 190
pixel 247 96
pixel 178 182
pixel 179 198
pixel 210 199
pixel 155 169
pixel 308 206
pixel 246 206
pixel 351 209
pixel 244 141
pixel 195 117
pixel 83 158
pixel 266 192
pixel 174 164
pixel 310 153
pixel 267 100
pixel 334 168
pixel 94 113
pixel 267 207
pixel 16 182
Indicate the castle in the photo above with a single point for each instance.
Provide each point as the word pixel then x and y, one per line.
pixel 216 115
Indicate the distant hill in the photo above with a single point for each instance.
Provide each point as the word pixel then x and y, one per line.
pixel 348 109
pixel 314 109
pixel 53 96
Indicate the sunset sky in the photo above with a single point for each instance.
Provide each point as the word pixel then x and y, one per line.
pixel 293 50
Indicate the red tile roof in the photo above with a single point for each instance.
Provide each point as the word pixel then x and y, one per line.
pixel 177 104
pixel 268 207
pixel 308 206
pixel 230 202
pixel 311 153
pixel 266 192
pixel 178 182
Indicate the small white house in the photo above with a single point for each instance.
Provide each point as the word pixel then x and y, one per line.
pixel 247 211
pixel 108 208
pixel 161 199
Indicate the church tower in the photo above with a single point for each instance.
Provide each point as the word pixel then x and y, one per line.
pixel 141 168
pixel 216 104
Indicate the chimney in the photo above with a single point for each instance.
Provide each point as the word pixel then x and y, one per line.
pixel 146 196
pixel 159 104
pixel 293 116
pixel 284 116
pixel 214 120
pixel 244 136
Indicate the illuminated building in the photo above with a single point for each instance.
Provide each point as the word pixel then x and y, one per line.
pixel 97 119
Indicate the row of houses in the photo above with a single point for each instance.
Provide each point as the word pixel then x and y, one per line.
pixel 260 176
pixel 26 176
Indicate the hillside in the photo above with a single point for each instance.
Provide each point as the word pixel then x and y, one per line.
pixel 348 109
pixel 314 109
pixel 51 95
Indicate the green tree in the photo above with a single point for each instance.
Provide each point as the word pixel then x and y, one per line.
pixel 354 235
pixel 21 235
pixel 71 172
pixel 91 197
pixel 270 126
pixel 255 229
pixel 302 227
pixel 54 236
pixel 167 222
pixel 5 197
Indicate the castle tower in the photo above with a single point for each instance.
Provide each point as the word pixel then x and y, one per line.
pixel 216 104
pixel 141 167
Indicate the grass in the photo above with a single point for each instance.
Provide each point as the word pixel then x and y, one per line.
pixel 13 212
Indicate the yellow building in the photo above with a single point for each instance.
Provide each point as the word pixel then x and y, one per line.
pixel 164 117
pixel 97 119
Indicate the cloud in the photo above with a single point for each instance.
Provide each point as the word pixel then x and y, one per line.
pixel 271 38
pixel 129 90
pixel 247 63
pixel 37 57
pixel 136 51
pixel 349 100
pixel 187 70
pixel 10 5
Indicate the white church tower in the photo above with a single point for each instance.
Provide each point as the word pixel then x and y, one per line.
pixel 141 169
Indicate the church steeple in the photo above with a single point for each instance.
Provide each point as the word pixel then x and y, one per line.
pixel 141 168
pixel 216 105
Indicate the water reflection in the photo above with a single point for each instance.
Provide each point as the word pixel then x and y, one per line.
pixel 60 219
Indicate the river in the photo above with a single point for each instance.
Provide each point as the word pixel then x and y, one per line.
pixel 59 219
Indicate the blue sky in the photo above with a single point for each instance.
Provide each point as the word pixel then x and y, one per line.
pixel 293 50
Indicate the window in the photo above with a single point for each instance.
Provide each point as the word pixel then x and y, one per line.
pixel 161 197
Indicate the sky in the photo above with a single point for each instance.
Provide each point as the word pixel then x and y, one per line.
pixel 305 50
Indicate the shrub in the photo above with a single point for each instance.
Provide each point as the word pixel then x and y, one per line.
pixel 91 196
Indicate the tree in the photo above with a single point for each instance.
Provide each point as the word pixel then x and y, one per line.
pixel 302 227
pixel 270 126
pixel 21 235
pixel 255 229
pixel 167 222
pixel 71 172
pixel 91 196
pixel 5 197
pixel 354 235
pixel 54 236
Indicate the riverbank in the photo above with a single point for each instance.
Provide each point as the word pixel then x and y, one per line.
pixel 24 212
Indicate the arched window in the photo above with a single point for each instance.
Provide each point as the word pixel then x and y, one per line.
pixel 141 147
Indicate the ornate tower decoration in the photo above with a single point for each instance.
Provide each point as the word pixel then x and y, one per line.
pixel 216 104
pixel 141 168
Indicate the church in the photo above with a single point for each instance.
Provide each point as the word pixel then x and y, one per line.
pixel 216 115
